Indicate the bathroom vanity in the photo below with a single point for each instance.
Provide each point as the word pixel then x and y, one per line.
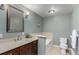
pixel 26 49
pixel 37 45
pixel 26 46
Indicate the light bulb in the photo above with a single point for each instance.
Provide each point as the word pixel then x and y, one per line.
pixel 27 13
pixel 51 11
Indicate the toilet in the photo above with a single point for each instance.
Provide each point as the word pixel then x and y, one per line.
pixel 63 46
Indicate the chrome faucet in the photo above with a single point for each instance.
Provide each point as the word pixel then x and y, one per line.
pixel 18 38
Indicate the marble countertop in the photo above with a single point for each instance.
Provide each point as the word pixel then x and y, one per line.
pixel 10 43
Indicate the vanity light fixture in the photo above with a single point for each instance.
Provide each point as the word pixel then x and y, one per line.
pixel 26 14
pixel 2 6
pixel 51 11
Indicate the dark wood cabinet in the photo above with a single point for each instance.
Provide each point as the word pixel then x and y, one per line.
pixel 27 49
pixel 12 52
pixel 35 47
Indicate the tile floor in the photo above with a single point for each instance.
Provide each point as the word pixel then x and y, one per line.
pixel 53 51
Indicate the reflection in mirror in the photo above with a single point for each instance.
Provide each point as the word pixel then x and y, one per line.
pixel 15 19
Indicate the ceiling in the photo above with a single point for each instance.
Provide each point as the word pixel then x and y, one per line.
pixel 42 9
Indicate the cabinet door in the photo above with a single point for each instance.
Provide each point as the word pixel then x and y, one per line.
pixel 26 49
pixel 12 52
pixel 35 47
pixel 29 49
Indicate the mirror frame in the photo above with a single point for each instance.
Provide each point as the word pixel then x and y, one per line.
pixel 8 20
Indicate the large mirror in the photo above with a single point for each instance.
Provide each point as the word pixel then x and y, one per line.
pixel 15 19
